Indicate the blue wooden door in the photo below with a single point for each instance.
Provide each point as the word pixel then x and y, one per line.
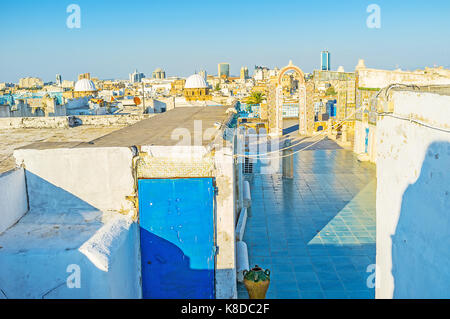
pixel 177 238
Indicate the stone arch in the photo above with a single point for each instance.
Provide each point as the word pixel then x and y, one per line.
pixel 291 67
pixel 275 108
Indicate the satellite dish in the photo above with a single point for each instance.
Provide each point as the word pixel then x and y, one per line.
pixel 137 100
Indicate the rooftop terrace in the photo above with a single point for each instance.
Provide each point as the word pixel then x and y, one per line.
pixel 11 139
pixel 158 130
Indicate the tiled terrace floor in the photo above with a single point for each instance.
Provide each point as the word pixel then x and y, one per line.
pixel 316 233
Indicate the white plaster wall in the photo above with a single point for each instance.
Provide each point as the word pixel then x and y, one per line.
pixel 413 200
pixel 13 198
pixel 75 196
pixel 74 178
pixel 225 225
pixel 109 264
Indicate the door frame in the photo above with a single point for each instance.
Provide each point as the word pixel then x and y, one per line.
pixel 215 246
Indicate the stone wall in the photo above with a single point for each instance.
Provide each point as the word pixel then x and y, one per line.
pixel 373 78
pixel 309 107
pixel 63 121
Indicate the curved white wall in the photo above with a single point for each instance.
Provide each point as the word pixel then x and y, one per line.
pixel 13 198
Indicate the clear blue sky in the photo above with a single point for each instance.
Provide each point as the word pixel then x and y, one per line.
pixel 184 36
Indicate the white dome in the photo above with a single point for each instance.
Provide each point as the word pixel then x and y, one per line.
pixel 85 85
pixel 195 81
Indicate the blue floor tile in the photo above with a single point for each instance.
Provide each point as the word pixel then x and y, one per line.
pixel 331 285
pixel 310 231
pixel 336 294
pixel 306 276
pixel 327 275
pixel 311 294
pixel 352 285
pixel 362 294
pixel 309 285
pixel 303 267
pixel 288 294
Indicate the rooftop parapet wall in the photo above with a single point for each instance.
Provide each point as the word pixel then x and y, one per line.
pixel 62 177
pixel 63 121
pixel 429 108
pixel 33 122
pixel 79 217
pixel 40 259
pixel 374 78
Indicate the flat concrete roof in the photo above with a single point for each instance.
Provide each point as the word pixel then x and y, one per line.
pixel 12 139
pixel 158 130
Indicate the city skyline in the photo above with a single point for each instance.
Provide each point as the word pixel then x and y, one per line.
pixel 116 38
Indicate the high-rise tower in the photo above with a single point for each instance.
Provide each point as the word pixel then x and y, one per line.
pixel 325 60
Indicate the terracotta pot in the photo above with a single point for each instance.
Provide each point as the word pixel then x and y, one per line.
pixel 257 282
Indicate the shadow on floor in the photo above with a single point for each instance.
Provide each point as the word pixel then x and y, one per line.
pixel 315 232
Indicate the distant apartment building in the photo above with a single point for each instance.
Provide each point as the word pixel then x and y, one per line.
pixel 158 74
pixel 261 73
pixel 203 74
pixel 30 82
pixel 325 61
pixel 223 70
pixel 58 79
pixel 136 77
pixel 244 73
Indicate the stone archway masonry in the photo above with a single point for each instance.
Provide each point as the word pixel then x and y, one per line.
pixel 275 104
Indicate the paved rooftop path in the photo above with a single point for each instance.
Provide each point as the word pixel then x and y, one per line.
pixel 316 232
